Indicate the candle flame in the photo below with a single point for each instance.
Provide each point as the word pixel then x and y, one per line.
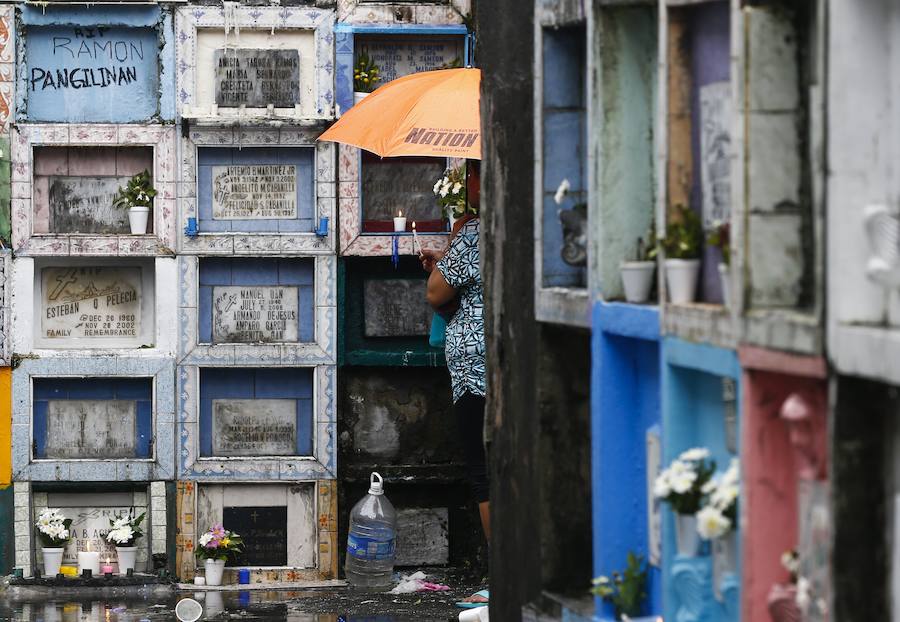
pixel 399 213
pixel 414 224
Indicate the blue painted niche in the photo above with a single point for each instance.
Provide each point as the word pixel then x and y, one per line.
pixel 299 273
pixel 694 415
pixel 139 390
pixel 564 134
pixel 91 74
pixel 625 406
pixel 301 157
pixel 264 383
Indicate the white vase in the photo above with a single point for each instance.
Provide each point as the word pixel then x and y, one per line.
pixel 725 281
pixel 681 278
pixel 687 539
pixel 637 277
pixel 126 555
pixel 358 96
pixel 52 560
pixel 137 218
pixel 725 553
pixel 214 570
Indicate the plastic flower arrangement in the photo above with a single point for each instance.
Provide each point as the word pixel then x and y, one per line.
pixel 53 528
pixel 138 192
pixel 365 74
pixel 219 543
pixel 125 530
pixel 719 515
pixel 682 484
pixel 627 590
pixel 451 192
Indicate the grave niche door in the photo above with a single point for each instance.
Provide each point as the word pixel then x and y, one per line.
pixel 93 418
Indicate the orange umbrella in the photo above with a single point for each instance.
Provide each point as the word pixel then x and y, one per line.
pixel 433 113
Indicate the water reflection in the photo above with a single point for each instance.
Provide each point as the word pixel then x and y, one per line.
pixel 156 607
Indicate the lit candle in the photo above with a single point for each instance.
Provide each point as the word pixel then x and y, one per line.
pixel 399 223
pixel 107 568
pixel 417 248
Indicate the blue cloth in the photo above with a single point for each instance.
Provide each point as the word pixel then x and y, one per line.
pixel 438 329
pixel 465 347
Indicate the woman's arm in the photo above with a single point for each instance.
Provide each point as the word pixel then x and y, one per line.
pixel 439 292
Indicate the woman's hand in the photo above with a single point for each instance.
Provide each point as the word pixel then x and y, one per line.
pixel 429 258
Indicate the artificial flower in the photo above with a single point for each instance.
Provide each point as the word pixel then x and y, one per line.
pixel 561 191
pixel 712 523
pixel 694 454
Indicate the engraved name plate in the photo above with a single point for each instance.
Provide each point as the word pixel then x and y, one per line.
pixel 91 429
pixel 264 427
pixel 93 303
pixel 255 314
pixel 254 192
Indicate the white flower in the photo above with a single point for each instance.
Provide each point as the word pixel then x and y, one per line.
pixel 562 191
pixel 683 482
pixel 205 538
pixel 803 597
pixel 601 580
pixel 444 191
pixel 662 488
pixel 724 496
pixel 694 455
pixel 120 535
pixel 791 561
pixel 457 187
pixel 711 523
pixel 437 186
pixel 709 486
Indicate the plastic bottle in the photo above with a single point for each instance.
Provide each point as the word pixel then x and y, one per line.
pixel 371 540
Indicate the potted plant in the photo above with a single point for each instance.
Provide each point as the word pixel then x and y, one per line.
pixel 720 237
pixel 681 485
pixel 366 75
pixel 216 547
pixel 626 591
pixel 53 532
pixel 137 196
pixel 637 276
pixel 684 235
pixel 450 191
pixel 124 532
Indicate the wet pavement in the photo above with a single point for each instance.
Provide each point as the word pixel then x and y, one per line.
pixel 333 605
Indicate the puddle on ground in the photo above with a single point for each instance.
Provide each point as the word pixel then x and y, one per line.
pixel 224 606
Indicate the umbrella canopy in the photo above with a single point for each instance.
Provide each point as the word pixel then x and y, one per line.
pixel 433 113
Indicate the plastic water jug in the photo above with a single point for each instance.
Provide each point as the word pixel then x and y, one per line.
pixel 371 541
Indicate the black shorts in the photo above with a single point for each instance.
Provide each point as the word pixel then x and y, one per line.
pixel 469 409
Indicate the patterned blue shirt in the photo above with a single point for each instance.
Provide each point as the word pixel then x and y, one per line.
pixel 465 332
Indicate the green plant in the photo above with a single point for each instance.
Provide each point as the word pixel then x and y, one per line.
pixel 720 237
pixel 647 246
pixel 138 192
pixel 366 74
pixel 626 591
pixel 684 234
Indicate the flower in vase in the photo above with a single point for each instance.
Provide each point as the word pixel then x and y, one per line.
pixel 712 523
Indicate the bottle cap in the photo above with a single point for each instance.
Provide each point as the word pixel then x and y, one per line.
pixel 376 484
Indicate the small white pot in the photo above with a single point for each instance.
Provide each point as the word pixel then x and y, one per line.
pixel 637 277
pixel 214 570
pixel 725 281
pixel 687 539
pixel 126 555
pixel 52 560
pixel 358 97
pixel 137 218
pixel 681 279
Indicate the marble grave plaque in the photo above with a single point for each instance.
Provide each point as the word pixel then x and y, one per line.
pixel 264 531
pixel 91 429
pixel 91 302
pixel 395 308
pixel 400 185
pixel 254 192
pixel 400 56
pixel 85 205
pixel 261 427
pixel 255 314
pixel 257 78
pixel 89 528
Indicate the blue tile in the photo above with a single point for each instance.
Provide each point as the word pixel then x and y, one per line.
pixel 225 382
pixel 133 388
pixel 215 271
pixel 256 155
pixel 300 225
pixel 254 271
pixel 204 314
pixel 564 136
pixel 304 427
pixel 284 383
pixel 209 156
pixel 296 271
pixel 39 418
pixel 307 309
pixel 564 67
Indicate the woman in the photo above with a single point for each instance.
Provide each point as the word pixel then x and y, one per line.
pixel 455 286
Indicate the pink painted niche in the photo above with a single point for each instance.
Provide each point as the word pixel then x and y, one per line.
pixel 57 170
pixel 784 472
